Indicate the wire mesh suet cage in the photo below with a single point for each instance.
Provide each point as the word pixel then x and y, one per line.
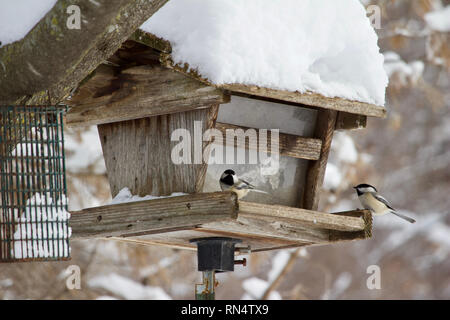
pixel 34 217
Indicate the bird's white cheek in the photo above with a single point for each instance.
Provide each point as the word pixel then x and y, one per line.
pixel 241 193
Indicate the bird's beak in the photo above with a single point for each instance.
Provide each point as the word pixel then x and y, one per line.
pixel 355 187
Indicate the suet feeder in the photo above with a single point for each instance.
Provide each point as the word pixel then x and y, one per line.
pixel 141 96
pixel 34 217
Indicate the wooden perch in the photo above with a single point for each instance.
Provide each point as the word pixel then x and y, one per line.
pixel 289 225
pixel 174 221
pixel 139 92
pixel 160 215
pixel 306 218
pixel 289 145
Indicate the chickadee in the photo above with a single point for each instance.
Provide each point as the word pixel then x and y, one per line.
pixel 378 205
pixel 229 181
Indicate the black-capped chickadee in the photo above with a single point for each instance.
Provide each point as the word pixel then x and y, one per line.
pixel 230 182
pixel 378 205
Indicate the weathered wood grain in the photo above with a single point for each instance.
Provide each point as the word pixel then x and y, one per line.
pixel 44 66
pixel 160 215
pixel 307 218
pixel 137 92
pixel 349 121
pixel 174 221
pixel 326 122
pixel 138 153
pixel 304 99
pixel 355 235
pixel 289 145
pixel 210 122
pixel 151 40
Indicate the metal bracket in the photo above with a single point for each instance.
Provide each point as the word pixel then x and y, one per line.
pixel 214 254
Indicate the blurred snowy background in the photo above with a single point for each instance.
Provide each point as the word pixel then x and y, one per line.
pixel 407 156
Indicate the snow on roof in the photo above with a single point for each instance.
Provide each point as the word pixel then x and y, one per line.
pixel 322 46
pixel 18 17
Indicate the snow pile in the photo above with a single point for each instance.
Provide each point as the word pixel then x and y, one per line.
pixel 42 230
pixel 255 288
pixel 439 20
pixel 344 148
pixel 164 263
pixel 127 288
pixel 341 284
pixel 6 283
pixel 406 72
pixel 125 196
pixel 333 177
pixel 84 151
pixel 18 17
pixel 322 46
pixel 343 152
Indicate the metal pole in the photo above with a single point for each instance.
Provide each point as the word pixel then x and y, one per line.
pixel 205 290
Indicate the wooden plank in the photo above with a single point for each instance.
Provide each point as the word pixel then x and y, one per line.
pixel 260 227
pixel 151 40
pixel 310 99
pixel 138 153
pixel 355 235
pixel 115 95
pixel 266 232
pixel 326 122
pixel 160 215
pixel 180 240
pixel 303 99
pixel 349 121
pixel 174 221
pixel 306 218
pixel 289 145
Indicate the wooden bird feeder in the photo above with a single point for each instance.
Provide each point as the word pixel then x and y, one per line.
pixel 140 96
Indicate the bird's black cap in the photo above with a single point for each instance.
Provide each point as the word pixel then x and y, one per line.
pixel 229 171
pixel 364 185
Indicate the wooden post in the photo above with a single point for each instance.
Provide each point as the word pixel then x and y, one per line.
pixel 326 122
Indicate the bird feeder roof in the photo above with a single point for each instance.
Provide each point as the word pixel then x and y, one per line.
pixel 293 53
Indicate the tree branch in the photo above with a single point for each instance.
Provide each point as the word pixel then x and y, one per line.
pixel 284 271
pixel 51 60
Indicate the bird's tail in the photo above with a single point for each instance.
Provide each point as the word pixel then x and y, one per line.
pixel 260 191
pixel 411 220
